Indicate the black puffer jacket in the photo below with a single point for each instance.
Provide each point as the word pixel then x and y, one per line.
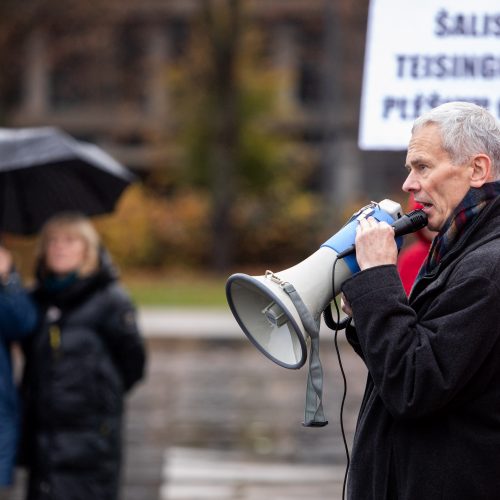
pixel 87 353
pixel 429 424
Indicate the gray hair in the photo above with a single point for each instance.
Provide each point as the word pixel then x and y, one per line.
pixel 466 130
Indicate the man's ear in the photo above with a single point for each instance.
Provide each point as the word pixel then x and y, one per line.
pixel 480 170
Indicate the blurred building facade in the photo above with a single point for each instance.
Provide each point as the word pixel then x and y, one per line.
pixel 109 84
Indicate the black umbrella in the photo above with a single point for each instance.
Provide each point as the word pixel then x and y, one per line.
pixel 44 171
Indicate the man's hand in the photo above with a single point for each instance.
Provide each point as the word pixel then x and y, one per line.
pixel 375 244
pixel 5 262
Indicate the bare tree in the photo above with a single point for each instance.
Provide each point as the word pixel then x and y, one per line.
pixel 222 21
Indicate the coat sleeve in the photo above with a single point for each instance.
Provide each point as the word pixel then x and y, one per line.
pixel 18 314
pixel 421 363
pixel 123 339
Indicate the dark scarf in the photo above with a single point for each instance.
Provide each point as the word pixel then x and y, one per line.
pixel 72 290
pixel 54 284
pixel 463 215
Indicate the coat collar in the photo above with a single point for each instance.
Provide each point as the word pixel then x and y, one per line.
pixel 485 228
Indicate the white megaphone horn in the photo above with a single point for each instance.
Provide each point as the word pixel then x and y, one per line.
pixel 267 314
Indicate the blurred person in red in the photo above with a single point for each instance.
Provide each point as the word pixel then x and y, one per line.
pixel 411 258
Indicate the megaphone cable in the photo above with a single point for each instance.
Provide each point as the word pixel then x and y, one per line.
pixel 337 325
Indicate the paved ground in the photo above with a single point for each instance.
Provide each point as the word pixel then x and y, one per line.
pixel 216 419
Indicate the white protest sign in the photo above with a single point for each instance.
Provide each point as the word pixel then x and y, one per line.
pixel 422 54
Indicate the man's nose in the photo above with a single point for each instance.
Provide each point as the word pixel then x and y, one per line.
pixel 410 185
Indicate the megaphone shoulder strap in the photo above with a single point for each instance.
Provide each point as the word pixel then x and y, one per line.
pixel 314 415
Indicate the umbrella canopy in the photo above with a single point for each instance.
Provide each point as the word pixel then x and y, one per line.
pixel 44 171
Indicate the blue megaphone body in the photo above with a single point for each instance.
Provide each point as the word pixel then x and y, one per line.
pixel 342 241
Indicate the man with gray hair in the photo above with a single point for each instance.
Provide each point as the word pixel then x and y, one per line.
pixel 429 423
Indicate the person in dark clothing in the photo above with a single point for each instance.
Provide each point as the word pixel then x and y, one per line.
pixel 17 320
pixel 429 423
pixel 85 356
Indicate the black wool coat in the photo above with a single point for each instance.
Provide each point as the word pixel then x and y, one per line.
pixel 429 423
pixel 86 355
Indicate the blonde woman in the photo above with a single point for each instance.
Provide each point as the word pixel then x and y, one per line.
pixel 86 354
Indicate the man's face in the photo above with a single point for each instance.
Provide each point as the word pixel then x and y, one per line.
pixel 435 182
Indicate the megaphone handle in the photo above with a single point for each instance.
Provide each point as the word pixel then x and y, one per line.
pixel 331 323
pixel 314 415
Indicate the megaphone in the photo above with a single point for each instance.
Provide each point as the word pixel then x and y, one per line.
pixel 267 314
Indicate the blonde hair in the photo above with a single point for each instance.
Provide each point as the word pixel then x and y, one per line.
pixel 76 224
